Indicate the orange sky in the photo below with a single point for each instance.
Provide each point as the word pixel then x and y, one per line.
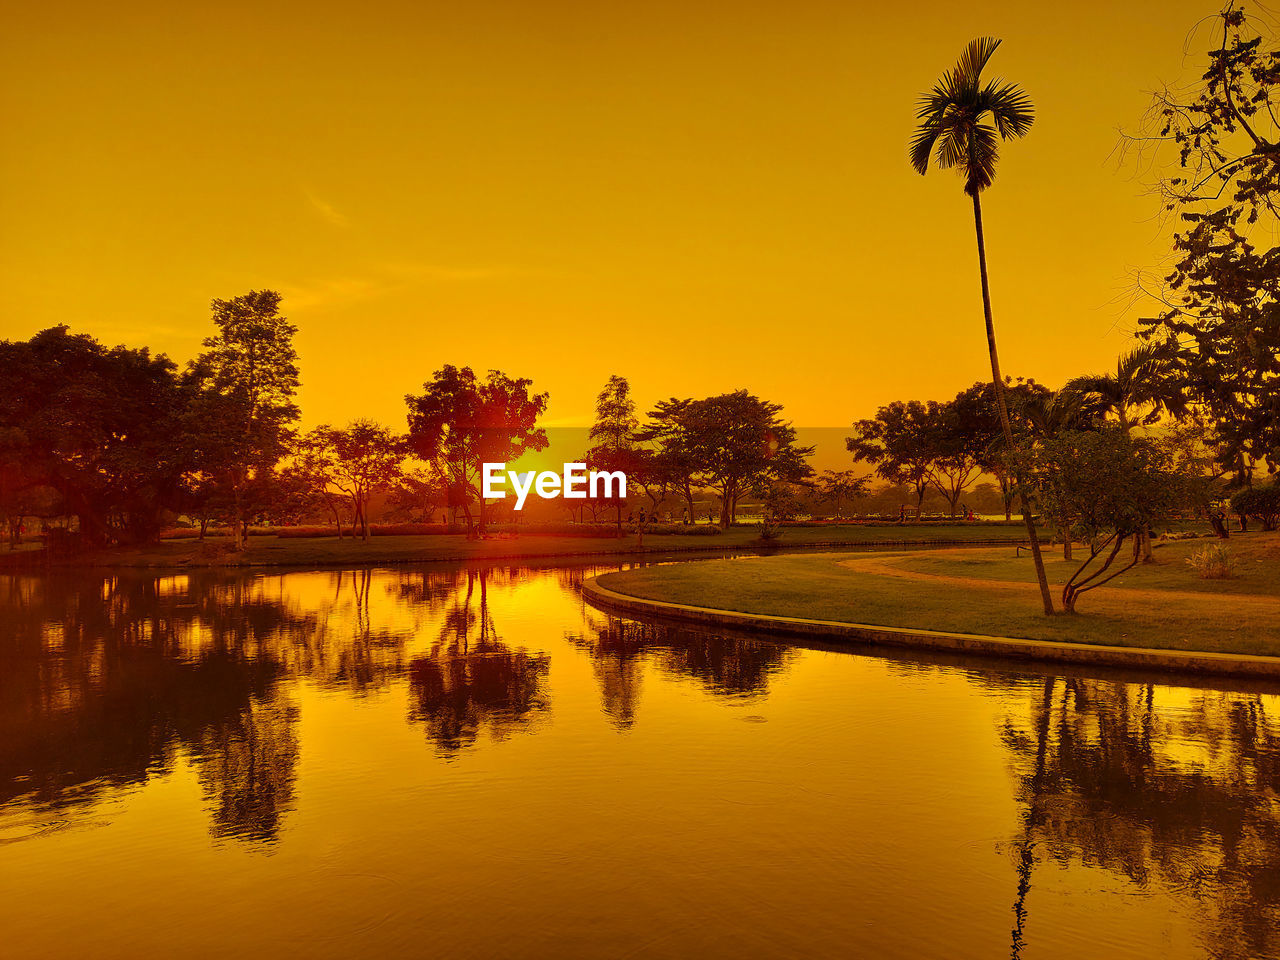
pixel 696 195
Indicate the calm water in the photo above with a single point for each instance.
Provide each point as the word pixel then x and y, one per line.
pixel 475 764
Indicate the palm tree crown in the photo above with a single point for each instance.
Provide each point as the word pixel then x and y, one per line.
pixel 1142 378
pixel 962 121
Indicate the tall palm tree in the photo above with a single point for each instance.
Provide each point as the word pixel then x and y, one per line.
pixel 961 125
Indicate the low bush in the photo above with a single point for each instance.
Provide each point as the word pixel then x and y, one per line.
pixel 1213 562
pixel 770 530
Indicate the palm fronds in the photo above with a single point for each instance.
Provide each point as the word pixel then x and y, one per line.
pixel 962 122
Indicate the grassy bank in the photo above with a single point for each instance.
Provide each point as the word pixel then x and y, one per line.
pixel 990 591
pixel 331 551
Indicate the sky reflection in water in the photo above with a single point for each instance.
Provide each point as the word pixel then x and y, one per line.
pixel 475 763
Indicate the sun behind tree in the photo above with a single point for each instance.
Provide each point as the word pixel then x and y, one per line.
pixel 962 123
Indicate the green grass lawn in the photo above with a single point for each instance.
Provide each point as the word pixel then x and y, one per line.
pixel 990 591
pixel 330 551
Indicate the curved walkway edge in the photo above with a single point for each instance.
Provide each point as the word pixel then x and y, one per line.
pixel 1088 654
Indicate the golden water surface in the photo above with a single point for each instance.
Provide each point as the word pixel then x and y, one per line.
pixel 474 763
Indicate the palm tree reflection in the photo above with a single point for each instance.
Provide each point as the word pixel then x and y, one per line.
pixel 1183 798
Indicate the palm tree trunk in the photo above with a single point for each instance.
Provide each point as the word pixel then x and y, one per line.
pixel 997 385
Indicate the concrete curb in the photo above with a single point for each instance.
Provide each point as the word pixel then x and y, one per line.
pixel 1008 648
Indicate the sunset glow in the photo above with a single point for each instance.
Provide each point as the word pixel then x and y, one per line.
pixel 568 190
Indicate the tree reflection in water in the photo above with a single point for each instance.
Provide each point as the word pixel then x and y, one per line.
pixel 1167 787
pixel 726 666
pixel 346 649
pixel 109 681
pixel 471 680
pixel 106 680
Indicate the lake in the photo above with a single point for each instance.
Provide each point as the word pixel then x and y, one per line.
pixel 474 763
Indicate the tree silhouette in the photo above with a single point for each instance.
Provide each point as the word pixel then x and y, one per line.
pixel 1142 378
pixel 357 460
pixel 243 414
pixel 897 441
pixel 961 124
pixel 460 422
pixel 1218 308
pixel 732 443
pixel 613 434
pixel 100 425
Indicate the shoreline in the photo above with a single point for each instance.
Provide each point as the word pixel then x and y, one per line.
pixel 853 635
pixel 35 561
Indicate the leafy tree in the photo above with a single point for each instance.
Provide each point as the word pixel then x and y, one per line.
pixel 779 502
pixel 461 422
pixel 961 124
pixel 898 442
pixel 839 486
pixel 418 492
pixel 613 433
pixel 1141 379
pixel 737 441
pixel 1109 487
pixel 27 500
pixel 357 460
pixel 981 418
pixel 286 497
pixel 1221 303
pixel 1050 413
pixel 241 418
pixel 99 425
pixel 311 467
pixel 674 464
pixel 652 472
pixel 1259 503
pixel 955 434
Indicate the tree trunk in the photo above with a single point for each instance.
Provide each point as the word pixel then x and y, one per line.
pixel 997 384
pixel 237 533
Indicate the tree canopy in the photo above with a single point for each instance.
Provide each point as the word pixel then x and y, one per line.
pixel 1219 306
pixel 460 422
pixel 100 425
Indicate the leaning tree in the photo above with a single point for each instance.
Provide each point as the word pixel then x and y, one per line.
pixel 961 124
